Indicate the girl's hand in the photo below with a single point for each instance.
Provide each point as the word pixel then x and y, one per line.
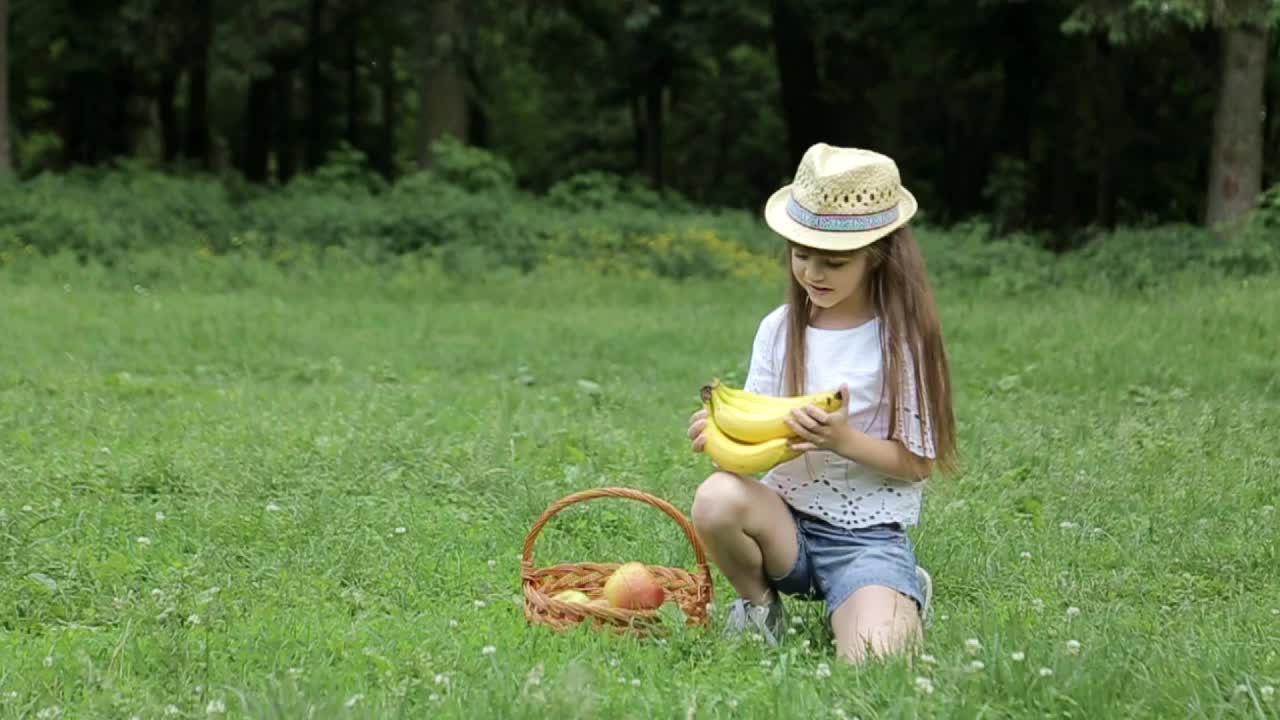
pixel 697 424
pixel 818 429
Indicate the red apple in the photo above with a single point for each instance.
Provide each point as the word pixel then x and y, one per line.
pixel 633 587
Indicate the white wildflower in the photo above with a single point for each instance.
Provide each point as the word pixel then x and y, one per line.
pixel 351 701
pixel 823 671
pixel 272 507
pixel 172 710
pixel 1037 604
pixel 453 623
pixel 1073 611
pixel 928 659
pixel 294 672
pixel 1268 509
pixel 11 695
pixel 53 711
pixel 1242 689
pixel 977 666
pixel 216 707
pixel 161 517
pixel 48 661
pixel 924 685
pixel 401 530
pixel 1267 692
pixel 1018 656
pixel 635 682
pixel 143 540
pixel 435 697
pixel 973 646
pixel 193 619
pixel 488 650
pixel 27 508
pixel 493 564
pixel 1068 525
pixel 441 679
pixel 1025 555
pixel 1046 672
pixel 1073 647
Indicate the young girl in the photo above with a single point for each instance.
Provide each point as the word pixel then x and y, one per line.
pixel 859 317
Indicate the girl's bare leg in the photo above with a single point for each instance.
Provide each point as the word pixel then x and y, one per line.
pixel 875 620
pixel 748 531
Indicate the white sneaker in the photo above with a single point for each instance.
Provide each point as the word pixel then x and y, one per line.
pixel 769 621
pixel 926 587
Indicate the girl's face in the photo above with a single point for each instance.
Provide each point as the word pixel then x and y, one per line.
pixel 829 278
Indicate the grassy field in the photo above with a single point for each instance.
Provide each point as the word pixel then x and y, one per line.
pixel 265 498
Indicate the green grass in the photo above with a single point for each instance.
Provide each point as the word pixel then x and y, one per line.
pixel 285 430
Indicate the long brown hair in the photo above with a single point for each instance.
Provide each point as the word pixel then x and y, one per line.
pixel 899 291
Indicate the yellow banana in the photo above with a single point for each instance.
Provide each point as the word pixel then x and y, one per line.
pixel 753 418
pixel 744 458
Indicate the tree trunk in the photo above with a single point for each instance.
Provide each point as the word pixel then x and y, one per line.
pixel 170 137
pixel 353 82
pixel 6 154
pixel 442 91
pixel 653 132
pixel 385 158
pixel 1235 165
pixel 196 146
pixel 257 130
pixel 317 97
pixel 286 148
pixel 797 75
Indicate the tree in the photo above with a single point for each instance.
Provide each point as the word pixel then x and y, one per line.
pixel 6 155
pixel 1236 148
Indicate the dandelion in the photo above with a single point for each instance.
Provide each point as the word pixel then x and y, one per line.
pixel 161 517
pixel 351 701
pixel 1046 672
pixel 215 707
pixel 1073 647
pixel 928 659
pixel 977 666
pixel 272 507
pixel 488 650
pixel 1073 611
pixel 924 685
pixel 973 646
pixel 401 530
pixel 1025 555
pixel 479 603
pixel 1018 656
pixel 143 540
pixel 823 670
pixel 1267 692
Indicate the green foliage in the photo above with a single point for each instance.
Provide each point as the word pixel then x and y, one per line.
pixel 467 215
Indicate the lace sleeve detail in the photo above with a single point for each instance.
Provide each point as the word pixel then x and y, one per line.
pixel 913 427
pixel 765 372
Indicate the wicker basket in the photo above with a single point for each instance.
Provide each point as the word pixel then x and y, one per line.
pixel 693 592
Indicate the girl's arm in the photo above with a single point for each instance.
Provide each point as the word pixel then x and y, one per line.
pixel 886 456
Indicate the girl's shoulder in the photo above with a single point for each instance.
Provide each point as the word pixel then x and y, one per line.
pixel 775 319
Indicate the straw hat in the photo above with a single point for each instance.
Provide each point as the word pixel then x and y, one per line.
pixel 841 199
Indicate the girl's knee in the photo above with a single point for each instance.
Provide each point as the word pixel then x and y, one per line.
pixel 720 500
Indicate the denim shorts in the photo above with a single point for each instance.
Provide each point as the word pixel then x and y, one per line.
pixel 834 562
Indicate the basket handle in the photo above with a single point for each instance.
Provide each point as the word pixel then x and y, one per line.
pixel 620 492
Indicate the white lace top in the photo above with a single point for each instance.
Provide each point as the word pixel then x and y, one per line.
pixel 820 482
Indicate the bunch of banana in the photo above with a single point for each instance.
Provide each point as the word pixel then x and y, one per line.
pixel 746 432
